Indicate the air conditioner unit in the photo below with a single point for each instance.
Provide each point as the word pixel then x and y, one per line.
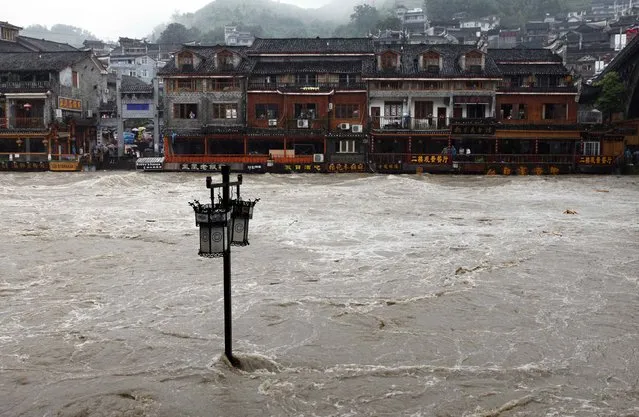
pixel 318 158
pixel 330 106
pixel 344 126
pixel 89 114
pixel 272 122
pixel 302 123
pixel 357 128
pixel 58 113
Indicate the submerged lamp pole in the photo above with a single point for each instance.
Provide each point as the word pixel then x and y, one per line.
pixel 224 224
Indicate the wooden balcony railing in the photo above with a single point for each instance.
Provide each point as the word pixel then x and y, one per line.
pixel 24 85
pixel 256 85
pixel 26 123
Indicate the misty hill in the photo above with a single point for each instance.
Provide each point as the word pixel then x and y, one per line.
pixel 71 35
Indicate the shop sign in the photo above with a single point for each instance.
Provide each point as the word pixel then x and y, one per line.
pixel 303 168
pixel 389 167
pixel 200 167
pixel 596 160
pixel 473 129
pixel 430 159
pixel 346 167
pixel 71 104
pixel 523 170
pixel 24 166
pixel 64 165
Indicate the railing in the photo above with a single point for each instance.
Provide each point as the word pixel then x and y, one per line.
pixel 26 123
pixel 306 87
pixel 538 89
pixel 25 85
pixel 409 123
pixel 590 117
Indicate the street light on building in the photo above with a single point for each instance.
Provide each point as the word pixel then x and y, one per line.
pixel 224 223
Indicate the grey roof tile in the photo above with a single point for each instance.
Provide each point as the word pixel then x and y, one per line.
pixel 40 61
pixel 311 46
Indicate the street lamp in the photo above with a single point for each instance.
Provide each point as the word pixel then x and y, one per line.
pixel 224 222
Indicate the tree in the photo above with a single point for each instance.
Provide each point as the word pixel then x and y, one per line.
pixel 612 97
pixel 390 22
pixel 364 18
pixel 177 33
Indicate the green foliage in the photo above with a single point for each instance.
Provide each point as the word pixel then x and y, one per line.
pixel 612 97
pixel 72 35
pixel 176 33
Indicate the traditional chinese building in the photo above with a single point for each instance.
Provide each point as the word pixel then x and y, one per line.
pixel 537 113
pixel 419 98
pixel 306 103
pixel 47 105
pixel 205 110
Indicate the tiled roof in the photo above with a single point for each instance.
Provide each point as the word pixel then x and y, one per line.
pixel 40 61
pixel 525 69
pixel 523 55
pixel 9 25
pixel 134 85
pixel 333 67
pixel 43 45
pixel 311 46
pixel 450 66
pixel 207 66
pixel 27 44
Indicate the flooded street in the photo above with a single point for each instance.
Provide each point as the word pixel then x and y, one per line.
pixel 359 296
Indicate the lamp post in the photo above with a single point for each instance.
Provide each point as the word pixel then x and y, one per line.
pixel 224 223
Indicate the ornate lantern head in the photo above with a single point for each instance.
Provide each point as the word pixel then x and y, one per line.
pixel 214 233
pixel 241 213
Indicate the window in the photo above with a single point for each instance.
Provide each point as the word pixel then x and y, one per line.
pixel 393 109
pixel 143 60
pixel 347 79
pixel 270 79
pixel 552 111
pixel 474 59
pixel 346 146
pixel 185 85
pixel 144 73
pixel 591 148
pixel 185 111
pixel 223 84
pixel 306 79
pixel 506 111
pixel 423 109
pixel 431 62
pixel 132 73
pixel 185 59
pixel 522 113
pixel 266 111
pixel 347 111
pixel 224 110
pixel 75 79
pixel 305 110
pixel 225 59
pixel 389 61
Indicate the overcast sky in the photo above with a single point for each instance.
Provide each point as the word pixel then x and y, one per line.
pixel 111 19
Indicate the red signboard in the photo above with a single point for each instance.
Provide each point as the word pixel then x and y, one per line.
pixel 71 104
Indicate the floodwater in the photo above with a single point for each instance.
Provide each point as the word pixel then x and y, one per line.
pixel 360 295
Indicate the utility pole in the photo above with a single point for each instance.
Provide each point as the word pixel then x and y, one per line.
pixel 118 101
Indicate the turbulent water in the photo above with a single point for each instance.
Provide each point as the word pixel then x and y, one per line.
pixel 358 296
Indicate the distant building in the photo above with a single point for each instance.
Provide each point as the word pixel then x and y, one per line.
pixel 233 37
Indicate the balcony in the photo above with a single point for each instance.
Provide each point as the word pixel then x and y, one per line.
pixel 26 123
pixel 537 89
pixel 409 123
pixel 295 87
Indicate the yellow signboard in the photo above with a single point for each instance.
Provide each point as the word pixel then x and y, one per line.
pixel 64 165
pixel 71 104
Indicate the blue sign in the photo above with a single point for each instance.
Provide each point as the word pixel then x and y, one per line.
pixel 129 137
